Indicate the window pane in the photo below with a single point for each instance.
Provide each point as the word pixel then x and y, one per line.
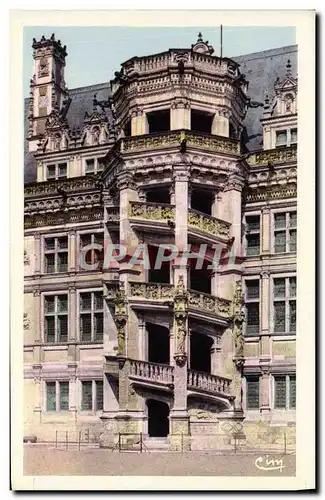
pixel 85 240
pixel 279 316
pixel 98 319
pixel 281 138
pixel 279 287
pixel 252 392
pixel 293 392
pixel 293 241
pixel 292 285
pixel 63 328
pixel 62 303
pixel 62 262
pixel 50 304
pixel 279 221
pixel 63 243
pixel 252 223
pixel 98 297
pixel 293 219
pixel 99 238
pixel 294 135
pixel 292 308
pixel 280 242
pixel 253 244
pixel 62 169
pixel 50 244
pixel 50 263
pixel 85 327
pixel 280 392
pixel 99 395
pixel 90 165
pixel 64 395
pixel 51 171
pixel 50 396
pixel 85 301
pixel 86 403
pixel 253 321
pixel 252 289
pixel 50 329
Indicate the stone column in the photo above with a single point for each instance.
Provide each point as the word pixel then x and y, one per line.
pixel 139 122
pixel 38 253
pixel 72 313
pixel 265 342
pixel 37 318
pixel 220 124
pixel 215 353
pixel 180 114
pixel 73 257
pixel 216 208
pixel 142 334
pixel 265 230
pixel 181 188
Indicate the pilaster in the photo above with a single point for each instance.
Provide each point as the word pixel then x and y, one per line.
pixel 72 312
pixel 73 259
pixel 266 230
pixel 38 254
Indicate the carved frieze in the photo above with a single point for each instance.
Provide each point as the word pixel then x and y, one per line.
pixel 274 156
pixel 26 322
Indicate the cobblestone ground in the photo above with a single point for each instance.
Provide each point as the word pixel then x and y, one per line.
pixel 40 460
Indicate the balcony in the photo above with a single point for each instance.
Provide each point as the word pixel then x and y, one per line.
pixel 151 291
pixel 203 303
pixel 274 156
pixel 171 139
pixel 199 222
pixel 150 216
pixel 153 375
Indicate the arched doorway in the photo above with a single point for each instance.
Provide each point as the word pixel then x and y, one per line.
pixel 158 421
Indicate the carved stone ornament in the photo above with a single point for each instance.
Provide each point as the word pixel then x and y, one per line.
pixel 238 319
pixel 26 322
pixel 180 321
pixel 26 258
pixel 120 317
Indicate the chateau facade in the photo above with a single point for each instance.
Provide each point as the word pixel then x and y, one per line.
pixel 183 159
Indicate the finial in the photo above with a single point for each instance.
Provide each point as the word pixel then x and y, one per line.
pixel 199 38
pixel 288 67
pixel 43 39
pixel 52 37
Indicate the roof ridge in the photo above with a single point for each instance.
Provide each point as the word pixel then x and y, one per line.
pixel 265 53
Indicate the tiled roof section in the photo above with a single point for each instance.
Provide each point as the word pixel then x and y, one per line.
pixel 261 70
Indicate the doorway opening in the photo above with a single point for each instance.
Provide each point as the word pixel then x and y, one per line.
pixel 158 121
pixel 158 195
pixel 201 121
pixel 158 343
pixel 162 273
pixel 201 200
pixel 200 346
pixel 158 418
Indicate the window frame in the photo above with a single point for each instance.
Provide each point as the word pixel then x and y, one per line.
pixel 55 314
pixel 80 234
pixel 92 313
pixel 96 170
pixel 55 252
pixel 56 165
pixel 57 395
pixel 252 301
pixel 288 377
pixel 286 229
pixel 257 378
pixel 252 232
pixel 286 299
pixel 94 395
pixel 288 132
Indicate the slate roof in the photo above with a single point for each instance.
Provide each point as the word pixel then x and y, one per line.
pixel 261 70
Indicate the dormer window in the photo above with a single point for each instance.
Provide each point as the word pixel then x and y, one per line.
pixel 286 138
pixel 94 165
pixel 56 171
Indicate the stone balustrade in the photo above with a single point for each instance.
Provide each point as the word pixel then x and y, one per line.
pixel 113 214
pixel 208 383
pixel 208 303
pixel 155 372
pixel 274 156
pixel 173 138
pixel 151 211
pixel 67 185
pixel 209 224
pixel 151 291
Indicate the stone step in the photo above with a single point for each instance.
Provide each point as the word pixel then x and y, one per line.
pixel 157 444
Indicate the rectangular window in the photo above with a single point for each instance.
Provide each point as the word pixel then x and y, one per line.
pixel 56 318
pixel 92 395
pixel 56 255
pixel 285 392
pixel 57 171
pixel 284 305
pixel 285 232
pixel 93 256
pixel 91 316
pixel 294 136
pixel 281 138
pixel 57 396
pixel 252 235
pixel 87 395
pixel 252 392
pixel 252 301
pixel 94 165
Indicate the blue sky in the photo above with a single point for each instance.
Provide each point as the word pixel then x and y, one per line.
pixel 94 53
